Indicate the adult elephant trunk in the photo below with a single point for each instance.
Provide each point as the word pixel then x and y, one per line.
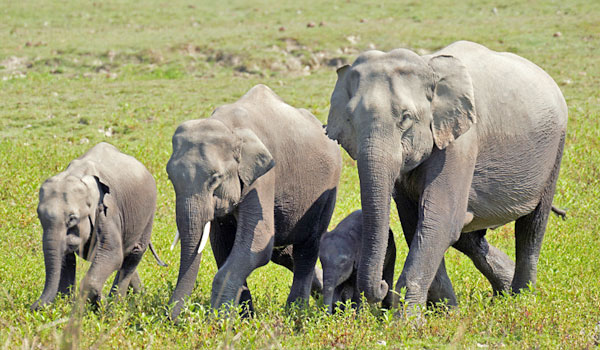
pixel 53 260
pixel 192 222
pixel 376 172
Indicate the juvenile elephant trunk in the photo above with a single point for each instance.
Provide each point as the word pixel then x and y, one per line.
pixel 376 182
pixel 53 261
pixel 329 282
pixel 190 224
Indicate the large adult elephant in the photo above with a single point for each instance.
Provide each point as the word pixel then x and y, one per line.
pixel 464 140
pixel 101 208
pixel 266 175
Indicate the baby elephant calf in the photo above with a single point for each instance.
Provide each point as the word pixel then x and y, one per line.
pixel 101 207
pixel 339 254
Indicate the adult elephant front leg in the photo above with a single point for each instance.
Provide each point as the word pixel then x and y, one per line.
pixel 221 240
pixel 442 210
pixel 441 287
pixel 253 244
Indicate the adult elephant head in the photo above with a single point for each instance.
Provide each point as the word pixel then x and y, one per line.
pixel 210 166
pixel 68 204
pixel 387 111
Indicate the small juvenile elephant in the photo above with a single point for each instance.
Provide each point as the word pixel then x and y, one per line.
pixel 260 177
pixel 339 254
pixel 101 207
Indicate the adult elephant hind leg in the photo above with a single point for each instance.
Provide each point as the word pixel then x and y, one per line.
pixel 529 232
pixel 305 257
pixel 283 257
pixel 306 253
pixel 493 263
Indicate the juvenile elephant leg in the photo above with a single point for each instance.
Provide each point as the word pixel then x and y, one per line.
pixel 124 278
pixel 388 271
pixel 493 263
pixel 441 288
pixel 136 282
pixel 67 274
pixel 107 258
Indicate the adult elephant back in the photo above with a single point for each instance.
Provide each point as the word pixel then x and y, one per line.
pixel 266 175
pixel 464 140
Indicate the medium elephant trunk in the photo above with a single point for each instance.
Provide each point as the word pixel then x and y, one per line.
pixel 191 219
pixel 376 172
pixel 53 261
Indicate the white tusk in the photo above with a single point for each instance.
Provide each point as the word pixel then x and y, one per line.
pixel 205 235
pixel 175 240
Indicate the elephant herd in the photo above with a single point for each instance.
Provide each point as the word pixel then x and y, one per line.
pixel 464 140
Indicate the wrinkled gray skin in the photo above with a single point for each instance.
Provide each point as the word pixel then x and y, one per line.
pixel 339 254
pixel 266 175
pixel 101 208
pixel 464 140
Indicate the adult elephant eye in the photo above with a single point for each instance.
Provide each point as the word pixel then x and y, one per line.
pixel 72 221
pixel 405 121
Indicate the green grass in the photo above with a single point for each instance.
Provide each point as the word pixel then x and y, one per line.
pixel 70 72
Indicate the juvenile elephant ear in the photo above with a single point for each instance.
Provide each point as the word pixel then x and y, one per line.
pixel 453 103
pixel 254 158
pixel 97 190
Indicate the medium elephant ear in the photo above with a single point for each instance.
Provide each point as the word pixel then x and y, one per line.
pixel 97 190
pixel 453 102
pixel 254 157
pixel 339 127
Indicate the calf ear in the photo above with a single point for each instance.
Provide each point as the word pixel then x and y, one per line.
pixel 97 190
pixel 453 102
pixel 254 159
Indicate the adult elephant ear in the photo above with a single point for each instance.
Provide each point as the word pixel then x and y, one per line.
pixel 254 158
pixel 339 127
pixel 453 102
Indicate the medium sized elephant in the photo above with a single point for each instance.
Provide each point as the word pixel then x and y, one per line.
pixel 100 208
pixel 339 254
pixel 260 177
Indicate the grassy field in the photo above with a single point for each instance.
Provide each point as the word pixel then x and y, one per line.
pixel 129 72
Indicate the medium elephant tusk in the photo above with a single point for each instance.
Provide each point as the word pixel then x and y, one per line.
pixel 205 235
pixel 175 240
